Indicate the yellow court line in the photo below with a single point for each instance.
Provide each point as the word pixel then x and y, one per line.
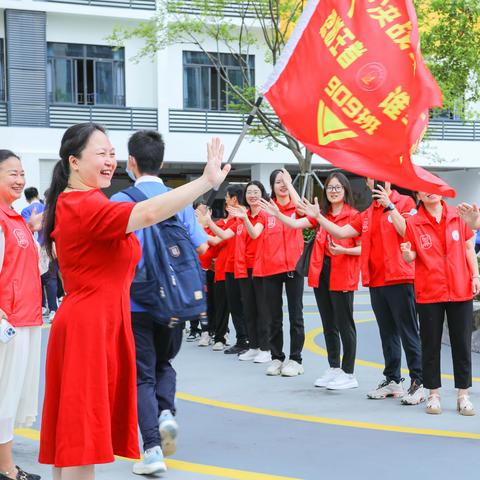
pixel 181 465
pixel 326 420
pixel 313 347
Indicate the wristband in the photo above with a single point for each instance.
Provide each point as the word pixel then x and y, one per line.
pixel 390 206
pixel 475 276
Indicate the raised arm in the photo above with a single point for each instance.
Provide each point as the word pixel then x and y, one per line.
pixel 272 209
pixel 313 210
pixel 398 221
pixel 163 206
pixel 287 180
pixel 473 264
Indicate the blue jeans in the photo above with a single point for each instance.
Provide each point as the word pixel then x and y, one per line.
pixel 155 346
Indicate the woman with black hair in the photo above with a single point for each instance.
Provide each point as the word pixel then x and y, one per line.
pixel 250 226
pixel 90 406
pixel 333 273
pixel 446 279
pixel 224 231
pixel 277 255
pixel 20 317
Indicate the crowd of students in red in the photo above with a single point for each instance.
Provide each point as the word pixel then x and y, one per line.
pixel 416 257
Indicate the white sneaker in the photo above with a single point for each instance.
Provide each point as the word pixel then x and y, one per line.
pixel 250 354
pixel 263 356
pixel 152 462
pixel 227 340
pixel 51 316
pixel 329 375
pixel 168 427
pixel 343 381
pixel 387 389
pixel 218 346
pixel 204 340
pixel 45 311
pixel 414 395
pixel 275 368
pixel 292 369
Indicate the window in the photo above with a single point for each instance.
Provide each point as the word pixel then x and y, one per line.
pixel 85 74
pixel 204 88
pixel 2 72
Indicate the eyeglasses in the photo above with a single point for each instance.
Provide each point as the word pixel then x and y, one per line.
pixel 334 188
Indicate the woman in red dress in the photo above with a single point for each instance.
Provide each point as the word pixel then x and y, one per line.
pixel 90 407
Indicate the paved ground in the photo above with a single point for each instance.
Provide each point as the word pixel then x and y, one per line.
pixel 237 423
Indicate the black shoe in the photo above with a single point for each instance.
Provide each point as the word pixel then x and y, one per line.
pixel 194 335
pixel 237 349
pixel 21 475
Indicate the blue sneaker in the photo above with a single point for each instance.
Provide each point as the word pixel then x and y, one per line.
pixel 152 462
pixel 168 432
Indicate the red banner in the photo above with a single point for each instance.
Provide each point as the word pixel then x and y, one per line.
pixel 352 86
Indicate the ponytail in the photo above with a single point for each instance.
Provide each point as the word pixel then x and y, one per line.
pixel 74 141
pixel 57 186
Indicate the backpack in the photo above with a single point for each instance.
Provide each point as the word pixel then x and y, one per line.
pixel 170 285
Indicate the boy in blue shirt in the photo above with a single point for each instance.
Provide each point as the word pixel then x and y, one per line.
pixel 156 345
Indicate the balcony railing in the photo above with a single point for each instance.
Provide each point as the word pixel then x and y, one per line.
pixel 135 4
pixel 113 118
pixel 194 121
pixel 247 9
pixel 3 114
pixel 459 130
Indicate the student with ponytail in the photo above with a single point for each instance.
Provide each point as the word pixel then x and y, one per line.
pixel 90 406
pixel 277 255
pixel 334 272
pixel 251 223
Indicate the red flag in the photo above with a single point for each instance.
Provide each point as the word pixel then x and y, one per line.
pixel 351 85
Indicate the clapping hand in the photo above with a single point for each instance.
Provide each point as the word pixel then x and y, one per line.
pixel 271 208
pixel 286 177
pixel 203 215
pixel 213 171
pixel 470 214
pixel 334 248
pixel 407 253
pixel 238 212
pixel 309 209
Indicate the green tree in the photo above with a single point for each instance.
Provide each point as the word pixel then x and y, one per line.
pixel 450 41
pixel 450 37
pixel 239 28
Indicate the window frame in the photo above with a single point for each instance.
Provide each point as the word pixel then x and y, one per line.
pixel 209 66
pixel 75 59
pixel 3 72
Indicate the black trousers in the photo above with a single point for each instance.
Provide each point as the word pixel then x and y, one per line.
pixel 210 325
pixel 235 305
pixel 50 286
pixel 460 325
pixel 336 310
pixel 253 298
pixel 273 288
pixel 155 345
pixel 394 308
pixel 221 311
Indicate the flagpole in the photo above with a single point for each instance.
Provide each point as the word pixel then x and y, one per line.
pixel 239 141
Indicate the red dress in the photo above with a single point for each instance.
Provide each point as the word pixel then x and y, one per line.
pixel 90 406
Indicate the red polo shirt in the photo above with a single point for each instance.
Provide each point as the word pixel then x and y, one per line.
pixel 20 286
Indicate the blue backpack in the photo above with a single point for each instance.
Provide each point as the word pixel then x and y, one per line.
pixel 170 285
